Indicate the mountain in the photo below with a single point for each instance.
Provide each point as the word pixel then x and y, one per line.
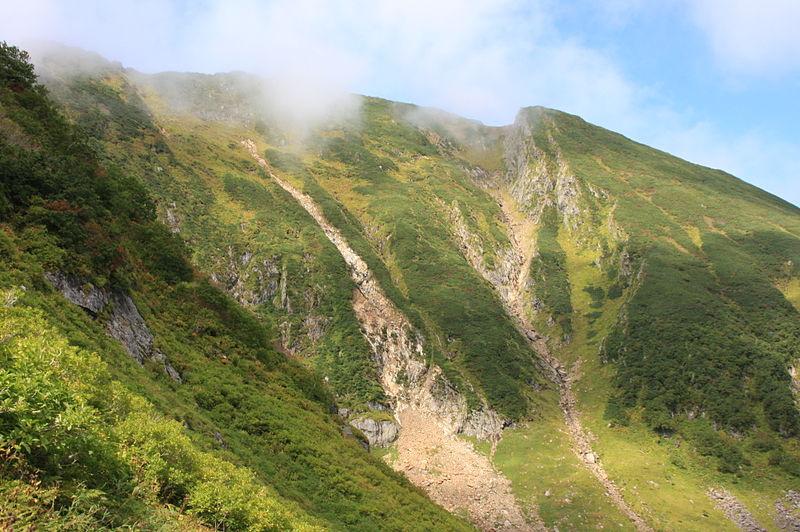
pixel 541 325
pixel 135 393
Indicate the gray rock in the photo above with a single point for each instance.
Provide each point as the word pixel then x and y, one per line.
pixel 173 221
pixel 128 326
pixel 348 432
pixel 483 424
pixel 379 433
pixel 220 440
pixel 375 405
pixel 125 323
pixel 314 326
pixel 79 292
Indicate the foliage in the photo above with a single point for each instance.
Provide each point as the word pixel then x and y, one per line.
pixel 16 70
pixel 245 442
pixel 703 330
pixel 548 268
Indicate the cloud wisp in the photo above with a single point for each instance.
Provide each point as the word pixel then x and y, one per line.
pixel 478 58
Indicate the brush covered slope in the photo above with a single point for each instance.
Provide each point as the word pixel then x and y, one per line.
pixel 380 181
pixel 133 392
pixel 701 263
pixel 666 293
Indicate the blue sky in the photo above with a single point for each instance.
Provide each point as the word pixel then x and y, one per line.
pixel 713 81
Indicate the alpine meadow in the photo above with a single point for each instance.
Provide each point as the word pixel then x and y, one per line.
pixel 390 318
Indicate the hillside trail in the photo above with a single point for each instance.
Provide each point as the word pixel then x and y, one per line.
pixel 429 452
pixel 520 233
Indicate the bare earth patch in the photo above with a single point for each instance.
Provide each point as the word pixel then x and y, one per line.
pixel 455 475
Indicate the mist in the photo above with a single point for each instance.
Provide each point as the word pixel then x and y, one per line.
pixel 481 59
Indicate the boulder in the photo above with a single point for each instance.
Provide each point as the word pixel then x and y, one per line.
pixel 378 433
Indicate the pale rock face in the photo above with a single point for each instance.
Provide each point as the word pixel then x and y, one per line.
pixel 240 271
pixel 125 324
pixel 483 424
pixel 82 294
pixel 540 179
pixel 173 221
pixel 397 347
pixel 429 409
pixel 378 433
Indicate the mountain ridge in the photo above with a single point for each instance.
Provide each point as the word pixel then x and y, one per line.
pixel 578 232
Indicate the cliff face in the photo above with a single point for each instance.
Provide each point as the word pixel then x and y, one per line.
pixel 124 322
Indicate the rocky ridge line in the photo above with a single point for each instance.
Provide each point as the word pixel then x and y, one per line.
pixel 430 411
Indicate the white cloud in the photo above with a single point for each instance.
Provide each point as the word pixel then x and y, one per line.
pixel 749 36
pixel 478 58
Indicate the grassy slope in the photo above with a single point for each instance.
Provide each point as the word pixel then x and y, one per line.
pixel 407 199
pixel 693 226
pixel 674 213
pixel 227 210
pixel 246 441
pixel 637 204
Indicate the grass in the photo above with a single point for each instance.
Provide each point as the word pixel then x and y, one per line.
pixel 675 290
pixel 483 447
pixel 663 479
pixel 247 439
pixel 545 473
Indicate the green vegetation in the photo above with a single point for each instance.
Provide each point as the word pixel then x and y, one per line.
pixel 549 269
pixel 383 173
pixel 91 439
pixel 672 290
pixel 703 331
pixel 79 450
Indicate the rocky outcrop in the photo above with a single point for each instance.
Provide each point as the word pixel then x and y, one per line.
pixel 172 219
pixel 254 280
pixel 378 433
pixel 249 281
pixel 124 323
pixel 80 293
pixel 483 424
pixel 472 247
pixel 539 177
pixel 348 433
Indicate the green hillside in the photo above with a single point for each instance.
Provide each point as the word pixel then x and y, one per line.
pixel 373 178
pixel 700 260
pixel 555 271
pixel 195 420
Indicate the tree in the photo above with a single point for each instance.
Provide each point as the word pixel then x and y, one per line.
pixel 16 69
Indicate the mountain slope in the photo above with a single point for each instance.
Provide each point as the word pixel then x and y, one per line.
pixel 135 393
pixel 661 297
